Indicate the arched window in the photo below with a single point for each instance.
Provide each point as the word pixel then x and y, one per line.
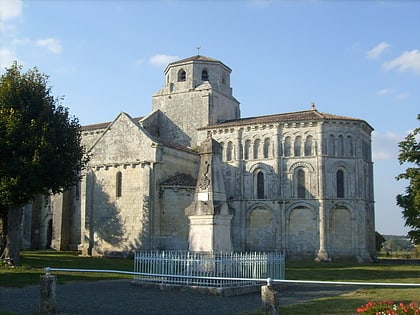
pixel 331 146
pixel 349 146
pixel 118 184
pixel 340 184
pixel 256 148
pixel 260 185
pixel 340 145
pixel 182 76
pixel 298 146
pixel 267 148
pixel 204 75
pixel 287 145
pixel 308 146
pixel 247 149
pixel 229 150
pixel 301 190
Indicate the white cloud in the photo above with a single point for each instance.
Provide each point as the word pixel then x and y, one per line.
pixel 401 96
pixel 409 60
pixel 385 146
pixel 6 59
pixel 52 44
pixel 10 9
pixel 23 41
pixel 376 51
pixel 162 59
pixel 383 92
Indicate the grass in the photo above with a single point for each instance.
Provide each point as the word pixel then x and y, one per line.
pixel 33 264
pixel 348 303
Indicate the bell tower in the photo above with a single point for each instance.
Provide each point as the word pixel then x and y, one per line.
pixel 196 94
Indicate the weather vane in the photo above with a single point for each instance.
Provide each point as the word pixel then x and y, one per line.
pixel 198 50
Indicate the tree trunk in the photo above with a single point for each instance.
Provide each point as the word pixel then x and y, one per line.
pixel 14 234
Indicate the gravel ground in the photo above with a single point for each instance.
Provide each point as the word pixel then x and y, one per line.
pixel 119 297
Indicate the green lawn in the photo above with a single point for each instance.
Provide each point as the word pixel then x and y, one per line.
pixel 348 303
pixel 33 264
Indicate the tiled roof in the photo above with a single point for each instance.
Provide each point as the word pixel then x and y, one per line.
pixel 180 179
pixel 195 58
pixel 306 115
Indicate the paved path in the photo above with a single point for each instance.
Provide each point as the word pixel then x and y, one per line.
pixel 119 297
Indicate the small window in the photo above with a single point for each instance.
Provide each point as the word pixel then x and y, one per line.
pixel 204 75
pixel 301 190
pixel 349 146
pixel 182 76
pixel 247 149
pixel 331 145
pixel 287 146
pixel 340 145
pixel 266 148
pixel 298 146
pixel 229 151
pixel 118 184
pixel 223 79
pixel 308 146
pixel 256 148
pixel 340 184
pixel 260 185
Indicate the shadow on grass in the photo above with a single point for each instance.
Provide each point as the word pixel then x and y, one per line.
pixel 33 264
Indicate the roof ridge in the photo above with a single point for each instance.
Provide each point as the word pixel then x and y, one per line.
pixel 309 114
pixel 195 58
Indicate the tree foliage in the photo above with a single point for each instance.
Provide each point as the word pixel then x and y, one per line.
pixel 379 241
pixel 410 201
pixel 40 144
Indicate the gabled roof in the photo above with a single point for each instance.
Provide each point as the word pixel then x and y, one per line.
pixel 305 115
pixel 105 125
pixel 102 125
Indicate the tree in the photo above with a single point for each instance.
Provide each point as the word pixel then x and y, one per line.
pixel 40 146
pixel 379 241
pixel 410 201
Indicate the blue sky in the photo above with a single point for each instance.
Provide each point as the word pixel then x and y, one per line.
pixel 354 58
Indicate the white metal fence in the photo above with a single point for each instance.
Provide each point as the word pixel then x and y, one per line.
pixel 202 269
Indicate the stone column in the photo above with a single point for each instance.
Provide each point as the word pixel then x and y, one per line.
pixel 47 297
pixel 270 300
pixel 85 204
pixel 238 140
pixel 322 253
pixel 147 205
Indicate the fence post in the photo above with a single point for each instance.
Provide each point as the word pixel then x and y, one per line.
pixel 270 299
pixel 47 300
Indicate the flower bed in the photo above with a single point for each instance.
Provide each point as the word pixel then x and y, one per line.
pixel 388 307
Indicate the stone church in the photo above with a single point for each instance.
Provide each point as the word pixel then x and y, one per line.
pixel 194 175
